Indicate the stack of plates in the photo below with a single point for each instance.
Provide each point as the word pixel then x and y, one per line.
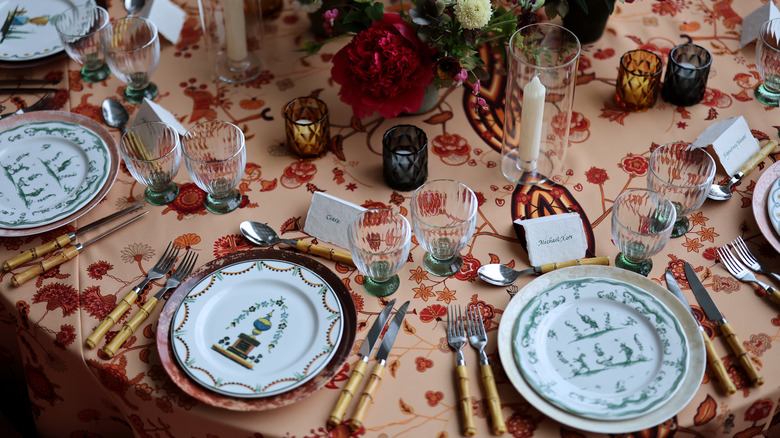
pixel 257 330
pixel 766 205
pixel 601 349
pixel 56 166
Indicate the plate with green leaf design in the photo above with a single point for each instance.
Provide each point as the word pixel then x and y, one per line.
pixel 601 348
pixel 260 326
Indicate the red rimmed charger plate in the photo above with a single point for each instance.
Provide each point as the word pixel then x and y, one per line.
pixel 760 193
pixel 189 386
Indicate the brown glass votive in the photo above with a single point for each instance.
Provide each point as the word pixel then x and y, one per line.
pixel 308 127
pixel 638 81
pixel 405 157
pixel 686 75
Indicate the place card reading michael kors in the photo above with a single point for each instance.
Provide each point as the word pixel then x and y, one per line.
pixel 555 238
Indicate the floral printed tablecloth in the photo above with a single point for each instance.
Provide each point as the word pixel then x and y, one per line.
pixel 73 391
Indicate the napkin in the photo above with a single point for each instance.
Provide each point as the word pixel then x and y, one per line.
pixel 555 238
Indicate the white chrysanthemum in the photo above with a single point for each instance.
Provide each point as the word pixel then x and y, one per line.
pixel 473 14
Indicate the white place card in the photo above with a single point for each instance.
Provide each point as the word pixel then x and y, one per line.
pixel 555 238
pixel 328 218
pixel 168 18
pixel 732 142
pixel 152 112
pixel 752 23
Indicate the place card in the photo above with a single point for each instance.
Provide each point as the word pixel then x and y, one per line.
pixel 153 112
pixel 752 23
pixel 329 217
pixel 732 142
pixel 555 238
pixel 169 19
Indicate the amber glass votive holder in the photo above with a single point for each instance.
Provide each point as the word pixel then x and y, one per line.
pixel 638 81
pixel 686 75
pixel 308 127
pixel 405 157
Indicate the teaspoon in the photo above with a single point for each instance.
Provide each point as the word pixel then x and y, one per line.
pixel 723 192
pixel 502 275
pixel 115 114
pixel 263 235
pixel 133 6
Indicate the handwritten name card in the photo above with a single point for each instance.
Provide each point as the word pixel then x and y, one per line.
pixel 329 217
pixel 556 238
pixel 732 142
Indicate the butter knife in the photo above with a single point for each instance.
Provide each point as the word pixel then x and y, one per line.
pixel 713 314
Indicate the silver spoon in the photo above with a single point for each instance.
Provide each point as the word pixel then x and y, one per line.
pixel 133 6
pixel 723 192
pixel 263 235
pixel 502 275
pixel 115 114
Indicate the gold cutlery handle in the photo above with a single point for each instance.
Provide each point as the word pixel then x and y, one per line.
pixel 347 393
pixel 328 253
pixel 464 402
pixel 66 254
pixel 356 422
pixel 129 327
pixel 111 319
pixel 494 403
pixel 742 356
pixel 36 252
pixel 759 157
pixel 603 260
pixel 717 367
pixel 775 296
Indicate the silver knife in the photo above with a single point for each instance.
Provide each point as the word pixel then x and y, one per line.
pixel 713 314
pixel 360 368
pixel 712 356
pixel 356 423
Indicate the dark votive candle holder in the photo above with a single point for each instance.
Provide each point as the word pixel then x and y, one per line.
pixel 639 77
pixel 405 157
pixel 308 127
pixel 686 75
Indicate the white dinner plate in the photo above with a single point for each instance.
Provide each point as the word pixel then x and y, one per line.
pixel 688 385
pixel 773 205
pixel 257 328
pixel 600 348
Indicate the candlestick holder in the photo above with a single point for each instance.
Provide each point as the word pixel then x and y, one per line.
pixel 233 31
pixel 539 97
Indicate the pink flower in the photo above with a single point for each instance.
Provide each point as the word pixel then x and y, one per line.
pixel 385 68
pixel 480 103
pixel 461 77
pixel 330 18
pixel 475 88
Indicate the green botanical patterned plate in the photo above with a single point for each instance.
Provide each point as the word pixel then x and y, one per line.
pixel 601 348
pixel 257 328
pixel 50 170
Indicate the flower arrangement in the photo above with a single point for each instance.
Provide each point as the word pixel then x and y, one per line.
pixel 392 58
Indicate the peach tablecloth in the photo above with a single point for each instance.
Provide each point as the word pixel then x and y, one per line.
pixel 75 392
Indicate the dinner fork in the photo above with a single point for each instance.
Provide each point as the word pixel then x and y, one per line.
pixel 44 103
pixel 748 258
pixel 158 271
pixel 181 272
pixel 739 271
pixel 456 337
pixel 478 340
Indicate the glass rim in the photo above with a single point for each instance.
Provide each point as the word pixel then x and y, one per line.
pixel 407 231
pixel 706 65
pixel 149 23
pixel 419 131
pixel 105 18
pixel 709 177
pixel 418 190
pixel 321 119
pixel 636 72
pixel 550 26
pixel 235 154
pixel 665 200
pixel 138 160
pixel 762 31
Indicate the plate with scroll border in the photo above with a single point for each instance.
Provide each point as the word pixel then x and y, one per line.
pixel 759 204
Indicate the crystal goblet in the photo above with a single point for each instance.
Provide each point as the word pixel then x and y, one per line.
pixel 215 155
pixel 684 175
pixel 642 222
pixel 132 49
pixel 79 29
pixel 444 214
pixel 152 153
pixel 768 63
pixel 379 241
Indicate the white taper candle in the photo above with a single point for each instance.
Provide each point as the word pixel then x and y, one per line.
pixel 235 29
pixel 531 122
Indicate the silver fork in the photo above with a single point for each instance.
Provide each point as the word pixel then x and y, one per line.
pixel 742 273
pixel 456 337
pixel 478 340
pixel 158 271
pixel 181 272
pixel 44 103
pixel 748 258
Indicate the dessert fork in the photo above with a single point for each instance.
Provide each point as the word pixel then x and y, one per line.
pixel 739 271
pixel 44 103
pixel 748 258
pixel 456 337
pixel 478 340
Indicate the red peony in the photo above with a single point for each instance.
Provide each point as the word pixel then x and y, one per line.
pixel 385 68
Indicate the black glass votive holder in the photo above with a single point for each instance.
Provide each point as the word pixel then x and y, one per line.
pixel 686 75
pixel 405 157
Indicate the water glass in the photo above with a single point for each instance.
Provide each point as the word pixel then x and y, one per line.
pixel 152 153
pixel 444 214
pixel 405 157
pixel 686 75
pixel 768 62
pixel 642 222
pixel 638 80
pixel 379 241
pixel 684 175
pixel 215 155
pixel 132 49
pixel 79 29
